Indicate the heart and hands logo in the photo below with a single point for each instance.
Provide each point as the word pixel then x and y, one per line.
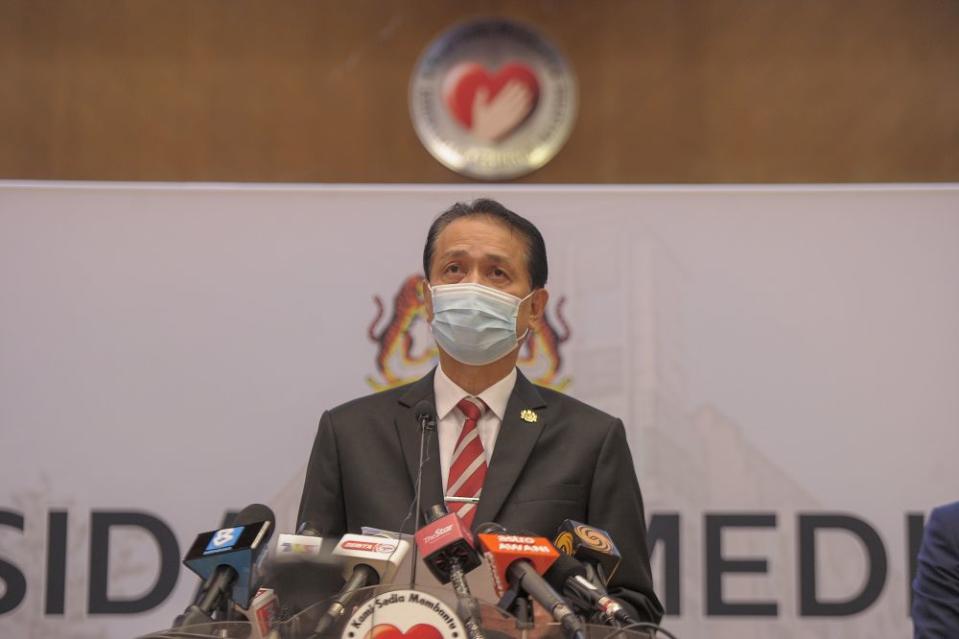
pixel 490 105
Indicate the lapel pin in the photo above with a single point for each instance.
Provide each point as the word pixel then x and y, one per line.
pixel 528 416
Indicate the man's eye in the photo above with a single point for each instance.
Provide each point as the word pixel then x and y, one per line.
pixel 453 268
pixel 499 273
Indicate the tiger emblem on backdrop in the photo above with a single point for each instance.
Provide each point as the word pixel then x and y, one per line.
pixel 405 350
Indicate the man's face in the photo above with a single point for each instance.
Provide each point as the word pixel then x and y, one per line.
pixel 481 250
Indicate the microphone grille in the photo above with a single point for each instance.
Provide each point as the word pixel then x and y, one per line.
pixel 490 527
pixel 562 569
pixel 437 511
pixel 253 514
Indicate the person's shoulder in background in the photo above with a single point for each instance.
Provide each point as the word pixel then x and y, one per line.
pixel 935 606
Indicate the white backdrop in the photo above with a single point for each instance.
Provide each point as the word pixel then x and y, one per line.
pixel 774 351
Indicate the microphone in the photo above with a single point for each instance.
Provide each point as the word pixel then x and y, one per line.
pixel 308 529
pixel 447 549
pixel 366 561
pixel 225 559
pixel 570 576
pixel 302 571
pixel 518 561
pixel 590 545
pixel 446 545
pixel 302 545
pixel 426 418
pixel 263 613
pixel 425 414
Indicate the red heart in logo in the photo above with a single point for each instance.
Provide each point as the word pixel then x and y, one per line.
pixel 465 80
pixel 389 631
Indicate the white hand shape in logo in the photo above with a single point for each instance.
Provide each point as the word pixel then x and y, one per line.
pixel 493 119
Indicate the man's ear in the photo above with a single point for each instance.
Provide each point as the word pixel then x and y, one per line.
pixel 428 300
pixel 537 304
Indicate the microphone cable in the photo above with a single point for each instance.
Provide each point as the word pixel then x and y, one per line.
pixel 642 625
pixel 426 419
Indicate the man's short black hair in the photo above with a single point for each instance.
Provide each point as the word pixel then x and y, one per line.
pixel 535 246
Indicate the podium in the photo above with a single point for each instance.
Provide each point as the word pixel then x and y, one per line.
pixel 398 612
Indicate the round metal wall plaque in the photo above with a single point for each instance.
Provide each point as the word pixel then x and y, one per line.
pixel 492 99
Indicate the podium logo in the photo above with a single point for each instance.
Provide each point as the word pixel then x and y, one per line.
pixel 405 350
pixel 492 99
pixel 404 614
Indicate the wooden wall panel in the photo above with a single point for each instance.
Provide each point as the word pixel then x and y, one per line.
pixel 709 91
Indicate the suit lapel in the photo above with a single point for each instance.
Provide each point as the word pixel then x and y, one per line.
pixel 408 430
pixel 514 443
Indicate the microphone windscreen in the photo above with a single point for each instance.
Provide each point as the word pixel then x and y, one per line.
pixel 563 569
pixel 437 511
pixel 255 513
pixel 425 413
pixel 300 580
pixel 490 527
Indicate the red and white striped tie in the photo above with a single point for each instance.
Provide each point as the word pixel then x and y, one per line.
pixel 468 468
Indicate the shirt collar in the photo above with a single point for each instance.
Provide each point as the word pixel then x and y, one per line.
pixel 448 394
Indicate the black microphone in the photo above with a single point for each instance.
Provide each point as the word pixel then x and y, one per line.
pixel 302 571
pixel 425 414
pixel 447 548
pixel 571 577
pixel 225 559
pixel 518 561
pixel 426 417
pixel 590 545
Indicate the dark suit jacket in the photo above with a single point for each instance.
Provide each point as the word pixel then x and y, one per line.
pixel 572 462
pixel 935 603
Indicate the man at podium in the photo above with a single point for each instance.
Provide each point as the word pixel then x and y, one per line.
pixel 504 449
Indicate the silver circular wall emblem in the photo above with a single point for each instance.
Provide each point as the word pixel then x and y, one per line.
pixel 492 99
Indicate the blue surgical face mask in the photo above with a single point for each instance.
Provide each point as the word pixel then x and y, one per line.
pixel 475 324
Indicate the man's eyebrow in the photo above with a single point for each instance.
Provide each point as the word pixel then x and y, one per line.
pixel 493 257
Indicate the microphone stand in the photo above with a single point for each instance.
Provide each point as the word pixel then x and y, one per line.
pixel 426 423
pixel 466 604
pixel 213 602
pixel 517 603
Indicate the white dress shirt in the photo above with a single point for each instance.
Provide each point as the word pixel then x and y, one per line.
pixel 450 419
